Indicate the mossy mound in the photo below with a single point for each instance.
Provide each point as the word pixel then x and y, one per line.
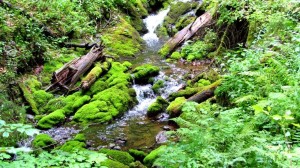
pixel 80 138
pixel 112 101
pixel 137 164
pixel 137 154
pixel 41 98
pixel 52 119
pixel 43 141
pixel 113 164
pixel 72 145
pixel 142 73
pixel 150 158
pixel 119 156
pixel 176 55
pixel 122 40
pixel 157 85
pixel 175 106
pixel 188 92
pixel 157 107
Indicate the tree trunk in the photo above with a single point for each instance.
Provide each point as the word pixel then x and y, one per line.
pixel 67 76
pixel 186 33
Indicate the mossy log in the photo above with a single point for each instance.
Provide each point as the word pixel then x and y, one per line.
pixel 68 75
pixel 185 34
pixel 91 77
pixel 29 98
pixel 207 92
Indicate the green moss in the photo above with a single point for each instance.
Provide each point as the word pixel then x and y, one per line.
pixel 184 21
pixel 32 83
pixel 41 98
pixel 119 156
pixel 159 84
pixel 165 50
pixel 80 138
pixel 43 141
pixel 72 145
pixel 98 86
pixel 175 106
pixel 122 40
pixel 80 102
pixel 52 119
pixel 113 164
pixel 188 92
pixel 137 154
pixel 162 31
pixel 95 111
pixel 127 64
pixel 203 82
pixel 157 107
pixel 93 74
pixel 176 55
pixel 144 72
pixel 150 158
pixel 29 98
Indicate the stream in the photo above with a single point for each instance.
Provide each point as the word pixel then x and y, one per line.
pixel 134 129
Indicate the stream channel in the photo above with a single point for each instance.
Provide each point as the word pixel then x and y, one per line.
pixel 134 129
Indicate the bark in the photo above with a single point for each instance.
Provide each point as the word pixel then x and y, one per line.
pixel 67 76
pixel 187 32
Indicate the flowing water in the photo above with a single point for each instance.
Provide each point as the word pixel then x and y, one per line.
pixel 134 129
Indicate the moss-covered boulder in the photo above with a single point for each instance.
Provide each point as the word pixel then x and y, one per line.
pixel 176 55
pixel 174 108
pixel 113 164
pixel 122 40
pixel 72 145
pixel 52 119
pixel 153 155
pixel 43 141
pixel 141 74
pixel 157 107
pixel 41 98
pixel 137 164
pixel 80 138
pixel 137 154
pixel 120 156
pixel 157 85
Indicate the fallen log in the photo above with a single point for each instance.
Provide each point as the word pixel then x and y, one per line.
pixel 68 75
pixel 207 92
pixel 185 34
pixel 91 77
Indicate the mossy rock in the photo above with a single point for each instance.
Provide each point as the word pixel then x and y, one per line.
pixel 52 119
pixel 95 111
pixel 137 154
pixel 153 155
pixel 157 107
pixel 80 138
pixel 72 145
pixel 54 104
pixel 157 85
pixel 176 55
pixel 98 86
pixel 41 98
pixel 122 40
pixel 141 74
pixel 113 164
pixel 165 50
pixel 43 141
pixel 184 21
pixel 137 164
pixel 120 156
pixel 32 83
pixel 175 106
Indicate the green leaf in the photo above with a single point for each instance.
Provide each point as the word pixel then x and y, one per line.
pixel 31 132
pixel 5 134
pixel 276 117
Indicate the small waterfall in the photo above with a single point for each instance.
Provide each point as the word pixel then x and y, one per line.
pixel 152 22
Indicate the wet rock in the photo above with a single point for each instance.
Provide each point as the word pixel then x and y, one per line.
pixel 161 137
pixel 117 148
pixel 111 145
pixel 120 141
pixel 143 73
pixel 166 128
pixel 157 107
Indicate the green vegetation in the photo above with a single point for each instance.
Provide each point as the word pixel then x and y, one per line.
pixel 120 156
pixel 143 73
pixel 252 120
pixel 43 141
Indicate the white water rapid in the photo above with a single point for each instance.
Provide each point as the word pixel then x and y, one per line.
pixel 152 22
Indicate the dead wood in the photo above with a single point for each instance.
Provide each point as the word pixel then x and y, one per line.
pixel 187 32
pixel 67 76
